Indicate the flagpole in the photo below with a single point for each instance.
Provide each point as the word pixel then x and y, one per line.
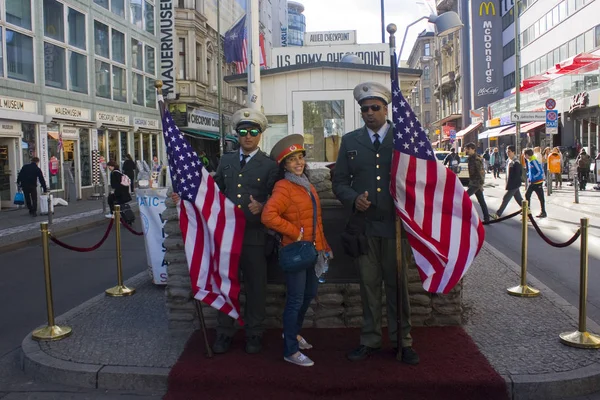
pixel 254 91
pixel 391 28
pixel 219 80
pixel 161 108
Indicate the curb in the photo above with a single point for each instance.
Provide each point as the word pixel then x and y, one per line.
pixel 39 365
pixel 557 385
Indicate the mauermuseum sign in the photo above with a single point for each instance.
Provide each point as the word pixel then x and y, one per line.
pixel 371 54
pixel 486 56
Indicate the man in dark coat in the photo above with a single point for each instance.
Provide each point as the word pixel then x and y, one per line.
pixel 477 179
pixel 27 180
pixel 514 172
pixel 361 182
pixel 247 177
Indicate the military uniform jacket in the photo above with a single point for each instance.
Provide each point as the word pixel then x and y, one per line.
pixel 257 178
pixel 359 168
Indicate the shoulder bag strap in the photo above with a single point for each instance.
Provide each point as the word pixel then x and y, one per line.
pixel 314 204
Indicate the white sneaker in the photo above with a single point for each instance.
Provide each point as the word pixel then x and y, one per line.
pixel 299 359
pixel 302 343
pixel 109 216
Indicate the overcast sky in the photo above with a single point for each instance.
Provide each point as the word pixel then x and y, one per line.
pixel 364 16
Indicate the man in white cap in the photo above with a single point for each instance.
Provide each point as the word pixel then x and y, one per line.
pixel 247 177
pixel 361 182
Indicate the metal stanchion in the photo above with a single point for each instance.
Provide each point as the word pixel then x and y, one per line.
pixel 52 331
pixel 549 180
pixel 581 338
pixel 120 289
pixel 49 209
pixel 523 290
pixel 576 187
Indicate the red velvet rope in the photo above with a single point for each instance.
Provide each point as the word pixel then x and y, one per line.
pixel 493 221
pixel 130 229
pixel 550 242
pixel 84 249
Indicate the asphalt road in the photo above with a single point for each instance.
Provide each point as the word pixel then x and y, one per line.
pixel 558 268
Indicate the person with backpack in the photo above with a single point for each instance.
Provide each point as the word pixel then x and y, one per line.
pixel 583 163
pixel 119 182
pixel 452 161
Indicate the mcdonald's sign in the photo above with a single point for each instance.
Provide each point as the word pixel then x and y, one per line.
pixel 489 8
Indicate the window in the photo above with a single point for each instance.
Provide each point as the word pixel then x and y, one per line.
pixel 142 14
pixel 597 36
pixel 508 50
pixel 78 72
pixel 549 21
pixel 54 20
pixel 427 118
pixel 564 52
pixel 19 56
pixel 572 48
pixel 18 12
pixel 76 21
pixel 181 72
pixel 555 15
pixel 149 17
pixel 111 78
pixel 426 73
pixel 143 74
pixel 580 44
pixel 116 6
pixel 562 11
pixel 509 81
pixel 426 95
pixel 543 63
pixel 198 62
pixel 589 40
pixel 1 55
pixel 508 19
pixel 136 13
pixel 55 70
pixel 427 49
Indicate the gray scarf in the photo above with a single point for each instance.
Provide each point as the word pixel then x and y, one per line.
pixel 305 183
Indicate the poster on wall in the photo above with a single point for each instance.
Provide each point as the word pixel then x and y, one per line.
pixel 152 204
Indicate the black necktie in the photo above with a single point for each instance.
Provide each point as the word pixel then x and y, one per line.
pixel 243 161
pixel 376 142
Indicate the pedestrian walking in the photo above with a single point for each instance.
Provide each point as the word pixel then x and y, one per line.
pixel 120 193
pixel 361 182
pixel 27 180
pixel 496 162
pixel 477 179
pixel 583 162
pixel 291 211
pixel 535 175
pixel 555 166
pixel 486 160
pixel 247 177
pixel 513 180
pixel 452 161
pixel 129 170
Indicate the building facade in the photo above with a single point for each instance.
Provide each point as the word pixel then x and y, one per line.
pixel 296 24
pixel 422 100
pixel 76 76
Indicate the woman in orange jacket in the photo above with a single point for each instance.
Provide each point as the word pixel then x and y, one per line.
pixel 289 211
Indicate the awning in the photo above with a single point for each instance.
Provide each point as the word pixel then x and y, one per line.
pixel 468 129
pixel 201 134
pixel 494 132
pixel 449 118
pixel 532 125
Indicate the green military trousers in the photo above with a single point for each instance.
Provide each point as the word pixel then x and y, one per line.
pixel 380 265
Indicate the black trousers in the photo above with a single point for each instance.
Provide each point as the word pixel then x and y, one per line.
pixel 111 200
pixel 472 190
pixel 30 194
pixel 538 188
pixel 582 176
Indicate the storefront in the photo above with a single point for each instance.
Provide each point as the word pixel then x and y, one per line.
pixel 68 150
pixel 203 132
pixel 18 145
pixel 114 131
pixel 583 118
pixel 147 141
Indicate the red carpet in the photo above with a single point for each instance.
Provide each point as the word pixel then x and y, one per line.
pixel 451 368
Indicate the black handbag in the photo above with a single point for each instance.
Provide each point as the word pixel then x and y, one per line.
pixel 300 255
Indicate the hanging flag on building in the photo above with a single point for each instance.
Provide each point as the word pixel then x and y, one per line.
pixel 443 227
pixel 236 46
pixel 211 225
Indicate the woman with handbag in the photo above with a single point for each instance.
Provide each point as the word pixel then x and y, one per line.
pixel 120 186
pixel 294 210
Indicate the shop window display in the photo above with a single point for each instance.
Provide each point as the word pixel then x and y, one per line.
pixel 102 143
pixel 113 148
pixel 54 156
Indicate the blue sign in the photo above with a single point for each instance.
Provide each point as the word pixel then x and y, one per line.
pixel 551 119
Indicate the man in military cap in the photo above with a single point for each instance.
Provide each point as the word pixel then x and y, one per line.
pixel 247 178
pixel 361 182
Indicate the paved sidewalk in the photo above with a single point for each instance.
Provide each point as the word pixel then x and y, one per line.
pixel 124 344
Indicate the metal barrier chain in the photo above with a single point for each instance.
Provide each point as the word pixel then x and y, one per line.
pixel 509 216
pixel 550 242
pixel 130 229
pixel 84 249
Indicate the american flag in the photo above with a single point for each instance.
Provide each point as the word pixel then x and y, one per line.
pixel 443 227
pixel 211 225
pixel 236 46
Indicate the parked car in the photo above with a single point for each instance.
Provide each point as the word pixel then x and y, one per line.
pixel 463 174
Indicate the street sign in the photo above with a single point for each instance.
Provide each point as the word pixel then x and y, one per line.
pixel 527 116
pixel 550 104
pixel 551 131
pixel 551 119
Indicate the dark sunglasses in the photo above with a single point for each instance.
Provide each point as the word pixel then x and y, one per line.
pixel 252 132
pixel 373 107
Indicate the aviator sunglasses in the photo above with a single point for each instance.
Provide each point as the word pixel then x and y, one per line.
pixel 373 107
pixel 252 132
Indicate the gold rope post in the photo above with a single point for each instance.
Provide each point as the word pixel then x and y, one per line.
pixel 582 338
pixel 51 331
pixel 119 290
pixel 523 290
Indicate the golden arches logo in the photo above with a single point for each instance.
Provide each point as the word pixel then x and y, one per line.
pixel 489 6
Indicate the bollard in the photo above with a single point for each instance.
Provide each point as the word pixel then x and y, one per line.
pixel 523 290
pixel 52 331
pixel 576 186
pixel 49 209
pixel 581 338
pixel 120 289
pixel 549 181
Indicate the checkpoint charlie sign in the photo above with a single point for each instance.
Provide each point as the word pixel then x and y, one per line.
pixel 377 54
